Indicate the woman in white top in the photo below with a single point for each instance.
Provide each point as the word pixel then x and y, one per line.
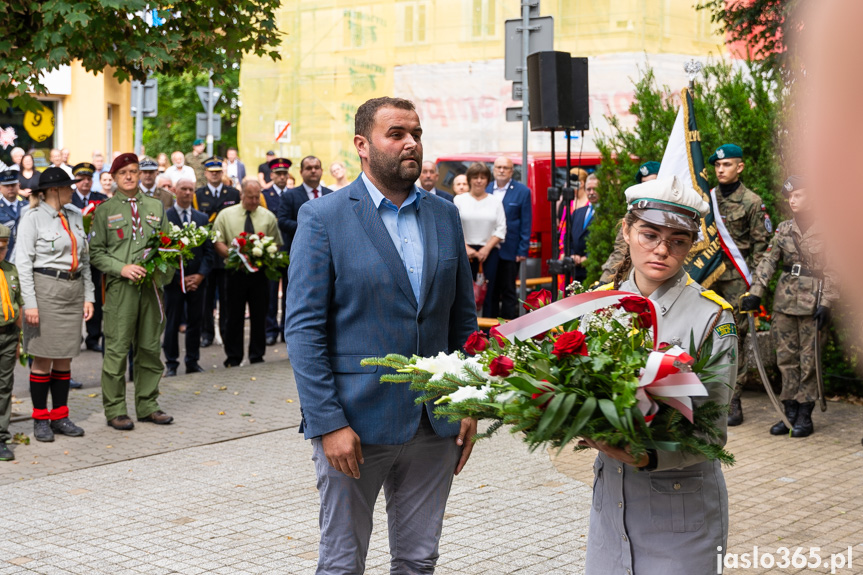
pixel 484 224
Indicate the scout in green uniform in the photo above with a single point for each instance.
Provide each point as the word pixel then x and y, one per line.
pixel 747 222
pixel 195 160
pixel 798 315
pixel 133 314
pixel 11 303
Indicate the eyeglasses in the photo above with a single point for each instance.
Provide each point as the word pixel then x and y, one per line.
pixel 650 240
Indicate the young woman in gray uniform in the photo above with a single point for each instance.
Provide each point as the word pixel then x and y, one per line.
pixel 667 512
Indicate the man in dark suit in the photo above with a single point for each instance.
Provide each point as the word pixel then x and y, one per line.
pixel 83 197
pixel 194 279
pixel 518 206
pixel 234 168
pixel 428 180
pixel 378 267
pixel 278 170
pixel 212 199
pixel 11 206
pixel 311 172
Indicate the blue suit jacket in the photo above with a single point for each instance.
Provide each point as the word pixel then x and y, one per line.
pixel 289 209
pixel 10 220
pixel 349 297
pixel 443 194
pixel 93 197
pixel 205 254
pixel 519 213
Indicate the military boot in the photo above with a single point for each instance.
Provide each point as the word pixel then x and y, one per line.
pixel 735 415
pixel 791 409
pixel 803 425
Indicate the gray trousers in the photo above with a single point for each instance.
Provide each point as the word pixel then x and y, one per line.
pixel 416 478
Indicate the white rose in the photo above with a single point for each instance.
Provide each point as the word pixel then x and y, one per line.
pixel 271 249
pixel 470 392
pixel 253 237
pixel 186 241
pixel 440 364
pixel 257 252
pixel 268 239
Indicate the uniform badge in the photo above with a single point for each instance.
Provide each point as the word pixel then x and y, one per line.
pixel 726 329
pixel 113 219
pixel 720 153
pixel 789 186
pixel 643 170
pixel 768 225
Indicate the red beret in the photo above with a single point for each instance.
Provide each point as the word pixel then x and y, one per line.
pixel 122 161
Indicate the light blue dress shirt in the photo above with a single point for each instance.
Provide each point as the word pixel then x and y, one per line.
pixel 403 226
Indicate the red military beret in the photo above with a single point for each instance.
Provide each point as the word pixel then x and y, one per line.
pixel 122 161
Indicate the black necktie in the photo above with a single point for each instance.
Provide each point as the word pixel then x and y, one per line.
pixel 185 216
pixel 249 228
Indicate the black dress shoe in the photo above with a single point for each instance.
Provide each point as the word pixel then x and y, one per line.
pixel 122 423
pixel 170 371
pixel 75 384
pixel 158 417
pixel 66 427
pixel 271 340
pixel 206 342
pixel 6 453
pixel 194 368
pixel 96 347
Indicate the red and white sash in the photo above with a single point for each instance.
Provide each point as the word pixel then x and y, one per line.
pixel 728 245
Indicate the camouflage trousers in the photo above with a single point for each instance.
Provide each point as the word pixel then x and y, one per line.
pixel 731 291
pixel 795 356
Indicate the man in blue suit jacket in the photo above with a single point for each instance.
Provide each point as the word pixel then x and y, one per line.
pixel 195 272
pixel 428 181
pixel 293 199
pixel 378 267
pixel 518 205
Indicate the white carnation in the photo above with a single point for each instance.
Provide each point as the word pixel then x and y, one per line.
pixel 470 392
pixel 253 237
pixel 257 252
pixel 271 249
pixel 441 364
pixel 186 241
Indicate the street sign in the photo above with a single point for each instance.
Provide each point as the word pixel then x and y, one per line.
pixel 282 132
pixel 151 97
pixel 201 126
pixel 541 39
pixel 513 114
pixel 517 91
pixel 204 95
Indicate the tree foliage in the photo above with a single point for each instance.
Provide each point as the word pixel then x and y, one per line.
pixel 194 35
pixel 174 128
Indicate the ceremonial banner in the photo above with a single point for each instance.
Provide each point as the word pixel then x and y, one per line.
pixel 683 158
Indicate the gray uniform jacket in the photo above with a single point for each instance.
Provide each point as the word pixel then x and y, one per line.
pixel 44 243
pixel 669 521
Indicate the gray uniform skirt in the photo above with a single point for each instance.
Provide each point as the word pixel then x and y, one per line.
pixel 61 308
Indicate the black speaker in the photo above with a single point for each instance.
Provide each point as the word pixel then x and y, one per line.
pixel 558 91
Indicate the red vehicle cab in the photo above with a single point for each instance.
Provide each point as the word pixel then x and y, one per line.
pixel 538 180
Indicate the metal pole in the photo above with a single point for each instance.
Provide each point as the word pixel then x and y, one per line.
pixel 525 47
pixel 210 116
pixel 139 118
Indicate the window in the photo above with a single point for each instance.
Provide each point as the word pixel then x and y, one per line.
pixel 483 18
pixel 414 22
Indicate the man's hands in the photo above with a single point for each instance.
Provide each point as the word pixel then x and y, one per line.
pixel 342 449
pixel 465 439
pixel 617 453
pixel 133 272
pixel 749 302
pixel 193 281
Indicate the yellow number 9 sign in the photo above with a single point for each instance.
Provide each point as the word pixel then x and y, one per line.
pixel 40 125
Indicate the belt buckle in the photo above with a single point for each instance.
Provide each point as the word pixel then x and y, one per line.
pixel 795 270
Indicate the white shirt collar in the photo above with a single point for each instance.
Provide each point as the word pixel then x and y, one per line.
pixel 503 187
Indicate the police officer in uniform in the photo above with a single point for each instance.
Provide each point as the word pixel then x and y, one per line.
pixel 211 199
pixel 798 315
pixel 10 328
pixel 278 170
pixel 11 206
pixel 119 234
pixel 149 171
pixel 747 222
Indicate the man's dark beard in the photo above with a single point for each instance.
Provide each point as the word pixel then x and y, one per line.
pixel 392 173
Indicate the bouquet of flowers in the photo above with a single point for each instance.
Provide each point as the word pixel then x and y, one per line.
pixel 254 252
pixel 87 214
pixel 586 366
pixel 166 251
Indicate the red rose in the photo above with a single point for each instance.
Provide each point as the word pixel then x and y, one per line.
pixel 545 389
pixel 644 320
pixel 260 234
pixel 634 304
pixel 501 341
pixel 501 366
pixel 537 299
pixel 476 343
pixel 242 234
pixel 165 240
pixel 182 245
pixel 241 242
pixel 570 343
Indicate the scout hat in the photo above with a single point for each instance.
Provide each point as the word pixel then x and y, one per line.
pixel 726 151
pixel 55 178
pixel 213 164
pixel 122 161
pixel 792 183
pixel 8 177
pixel 147 165
pixel 5 233
pixel 84 169
pixel 646 169
pixel 667 202
pixel 279 164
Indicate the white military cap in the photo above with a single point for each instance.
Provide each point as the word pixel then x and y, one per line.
pixel 667 202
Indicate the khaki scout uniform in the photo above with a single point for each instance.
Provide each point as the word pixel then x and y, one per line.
pixel 749 225
pixel 197 164
pixel 794 303
pixel 133 314
pixel 165 196
pixel 8 346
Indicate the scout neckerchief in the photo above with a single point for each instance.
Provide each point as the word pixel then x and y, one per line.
pixel 6 301
pixel 72 238
pixel 136 218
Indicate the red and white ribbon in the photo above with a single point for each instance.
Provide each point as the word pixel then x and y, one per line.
pixel 728 245
pixel 552 315
pixel 666 378
pixel 252 269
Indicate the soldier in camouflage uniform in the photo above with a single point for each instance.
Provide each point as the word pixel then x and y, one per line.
pixel 195 160
pixel 749 225
pixel 646 172
pixel 796 317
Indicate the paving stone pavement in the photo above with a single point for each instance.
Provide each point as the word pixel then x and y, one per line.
pixel 235 493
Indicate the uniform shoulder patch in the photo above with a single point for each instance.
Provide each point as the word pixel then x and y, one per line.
pixel 606 287
pixel 716 298
pixel 726 329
